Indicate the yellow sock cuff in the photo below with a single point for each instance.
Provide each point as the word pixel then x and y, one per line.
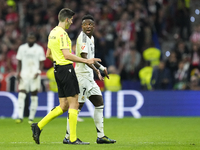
pixel 73 111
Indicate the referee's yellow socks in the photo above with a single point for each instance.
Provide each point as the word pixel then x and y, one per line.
pixel 72 116
pixel 57 111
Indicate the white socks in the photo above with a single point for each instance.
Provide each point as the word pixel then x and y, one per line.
pixel 33 107
pixel 68 130
pixel 21 103
pixel 98 120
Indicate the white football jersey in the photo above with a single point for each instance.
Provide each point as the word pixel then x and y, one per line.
pixel 84 45
pixel 30 58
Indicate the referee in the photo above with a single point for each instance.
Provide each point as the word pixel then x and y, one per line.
pixel 59 51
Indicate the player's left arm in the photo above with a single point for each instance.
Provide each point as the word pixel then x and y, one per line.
pixel 102 68
pixel 84 55
pixel 49 55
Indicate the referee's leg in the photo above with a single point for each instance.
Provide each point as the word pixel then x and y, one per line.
pixel 72 115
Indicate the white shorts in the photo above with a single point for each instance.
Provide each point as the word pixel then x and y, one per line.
pixel 87 88
pixel 29 84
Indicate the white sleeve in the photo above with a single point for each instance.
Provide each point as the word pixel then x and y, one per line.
pixel 42 55
pixel 19 53
pixel 83 43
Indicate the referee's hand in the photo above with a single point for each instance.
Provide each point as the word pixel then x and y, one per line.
pixel 92 60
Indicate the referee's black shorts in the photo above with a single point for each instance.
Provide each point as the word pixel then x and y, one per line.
pixel 66 80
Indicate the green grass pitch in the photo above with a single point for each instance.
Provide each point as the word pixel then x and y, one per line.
pixel 147 133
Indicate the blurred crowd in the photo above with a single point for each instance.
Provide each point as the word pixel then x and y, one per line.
pixel 128 36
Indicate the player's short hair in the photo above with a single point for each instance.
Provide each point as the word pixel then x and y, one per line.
pixel 65 13
pixel 31 35
pixel 88 17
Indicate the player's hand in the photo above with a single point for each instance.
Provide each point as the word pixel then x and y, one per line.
pixel 93 60
pixel 18 76
pixel 99 75
pixel 106 73
pixel 36 75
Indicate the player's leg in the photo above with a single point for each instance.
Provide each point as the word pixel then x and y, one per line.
pixel 21 99
pixel 97 100
pixel 33 106
pixel 34 85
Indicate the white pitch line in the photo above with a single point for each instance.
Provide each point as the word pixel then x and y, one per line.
pixel 31 142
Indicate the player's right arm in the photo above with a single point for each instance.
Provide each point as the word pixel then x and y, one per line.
pixel 19 64
pixel 74 58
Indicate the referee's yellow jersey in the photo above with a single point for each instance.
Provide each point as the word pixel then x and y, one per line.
pixel 58 40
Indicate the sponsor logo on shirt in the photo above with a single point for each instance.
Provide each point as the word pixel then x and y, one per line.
pixel 52 37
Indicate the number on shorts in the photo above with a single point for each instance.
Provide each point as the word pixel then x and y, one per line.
pixel 84 91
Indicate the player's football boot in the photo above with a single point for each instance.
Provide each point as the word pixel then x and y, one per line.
pixel 77 142
pixel 66 141
pixel 18 121
pixel 105 140
pixel 30 121
pixel 36 133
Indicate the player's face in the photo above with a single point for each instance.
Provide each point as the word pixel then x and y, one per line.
pixel 68 22
pixel 31 40
pixel 88 27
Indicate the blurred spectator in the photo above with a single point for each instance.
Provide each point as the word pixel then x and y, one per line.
pixel 172 64
pixel 114 83
pixel 194 83
pixel 195 79
pixel 183 18
pixel 129 64
pixel 11 56
pixel 12 15
pixel 145 75
pixel 141 27
pixel 12 60
pixel 195 36
pixel 181 77
pixel 161 78
pixel 3 64
pixel 126 29
pixel 195 57
pixel 110 36
pixel 181 48
pixel 152 54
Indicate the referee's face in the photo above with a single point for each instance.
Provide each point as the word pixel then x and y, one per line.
pixel 68 22
pixel 88 27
